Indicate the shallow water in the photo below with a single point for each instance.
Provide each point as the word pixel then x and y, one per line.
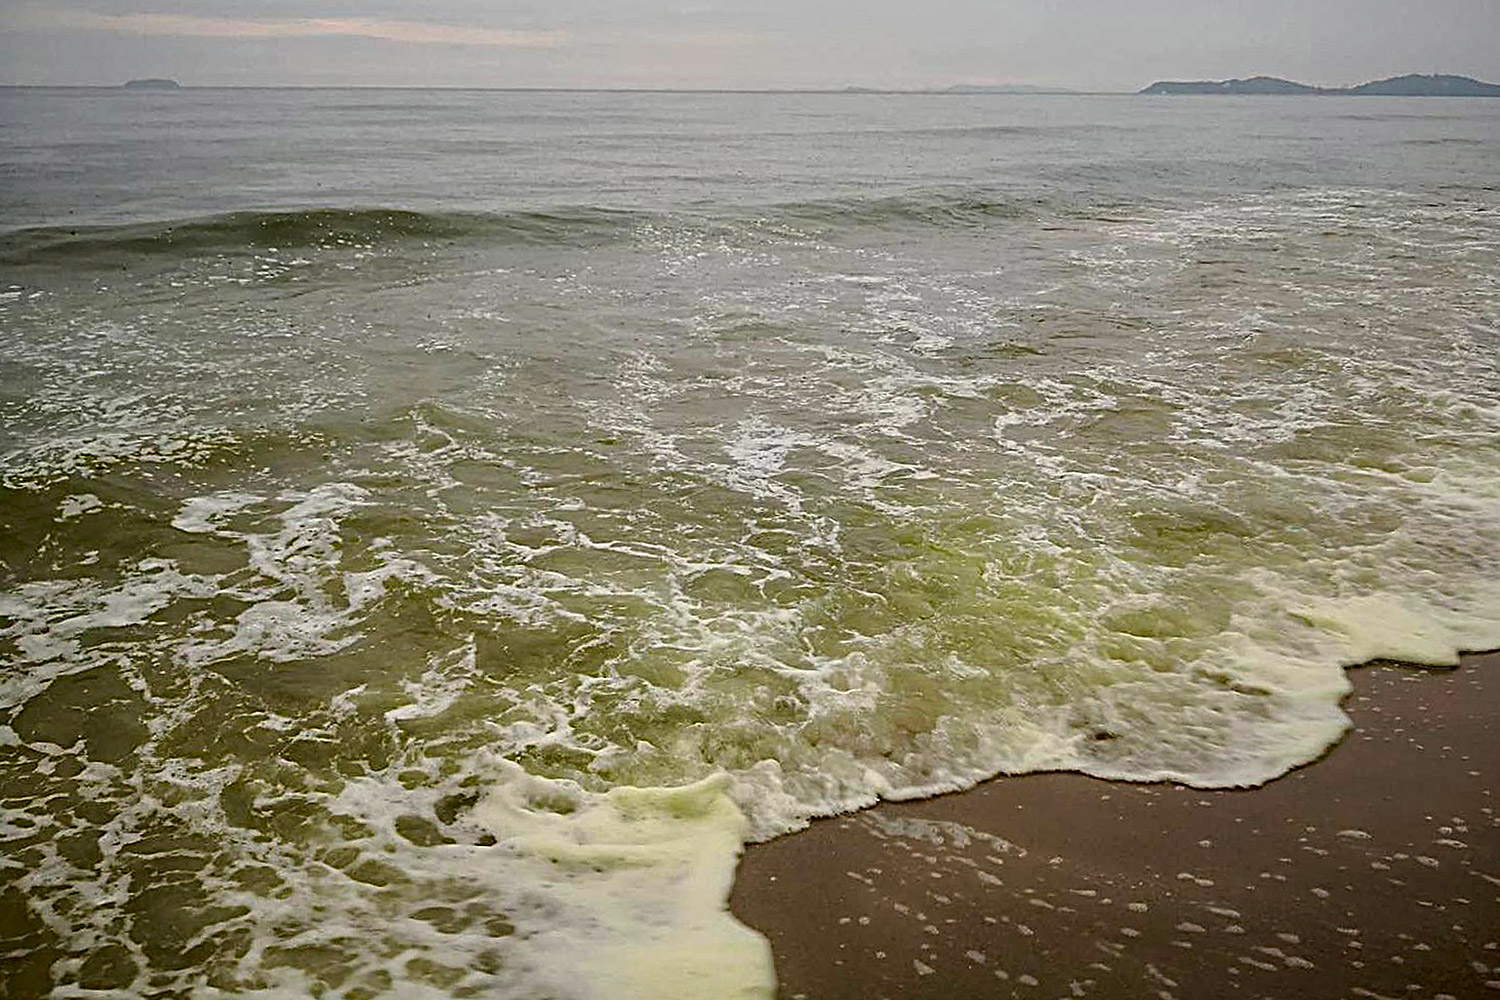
pixel 403 490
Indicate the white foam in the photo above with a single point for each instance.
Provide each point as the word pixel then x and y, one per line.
pixel 76 506
pixel 202 515
pixel 635 884
pixel 1404 627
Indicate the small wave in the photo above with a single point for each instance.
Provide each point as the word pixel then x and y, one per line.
pixel 1390 116
pixel 319 227
pixel 940 208
pixel 980 131
pixel 1448 140
pixel 571 226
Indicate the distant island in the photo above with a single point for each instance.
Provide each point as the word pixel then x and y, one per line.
pixel 1411 85
pixel 153 83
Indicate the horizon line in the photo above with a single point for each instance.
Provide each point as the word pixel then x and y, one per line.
pixel 955 90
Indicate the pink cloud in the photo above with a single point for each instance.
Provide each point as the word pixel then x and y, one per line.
pixel 410 32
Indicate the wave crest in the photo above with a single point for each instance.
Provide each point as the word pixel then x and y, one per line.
pixel 308 228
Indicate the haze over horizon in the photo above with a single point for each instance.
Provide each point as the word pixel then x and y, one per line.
pixel 1083 44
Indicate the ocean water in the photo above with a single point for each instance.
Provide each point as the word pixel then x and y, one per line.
pixel 438 529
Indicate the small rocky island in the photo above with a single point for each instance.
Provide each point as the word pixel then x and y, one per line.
pixel 1411 85
pixel 153 83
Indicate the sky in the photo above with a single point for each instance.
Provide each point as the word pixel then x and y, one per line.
pixel 741 44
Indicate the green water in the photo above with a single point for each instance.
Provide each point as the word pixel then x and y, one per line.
pixel 367 573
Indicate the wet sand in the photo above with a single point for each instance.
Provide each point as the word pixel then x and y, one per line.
pixel 1373 873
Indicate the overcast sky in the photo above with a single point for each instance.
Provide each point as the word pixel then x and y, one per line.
pixel 1084 44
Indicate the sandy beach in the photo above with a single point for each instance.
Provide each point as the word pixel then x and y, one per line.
pixel 1372 873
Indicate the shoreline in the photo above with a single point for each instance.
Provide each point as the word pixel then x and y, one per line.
pixel 1373 871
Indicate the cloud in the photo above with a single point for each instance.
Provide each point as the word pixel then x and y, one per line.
pixel 409 32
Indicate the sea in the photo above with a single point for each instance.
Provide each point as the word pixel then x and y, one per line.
pixel 438 529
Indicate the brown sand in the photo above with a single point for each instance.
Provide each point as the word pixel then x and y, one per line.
pixel 1374 873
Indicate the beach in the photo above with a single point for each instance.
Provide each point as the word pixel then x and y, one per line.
pixel 1374 872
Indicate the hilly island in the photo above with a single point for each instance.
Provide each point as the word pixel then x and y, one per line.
pixel 1411 85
